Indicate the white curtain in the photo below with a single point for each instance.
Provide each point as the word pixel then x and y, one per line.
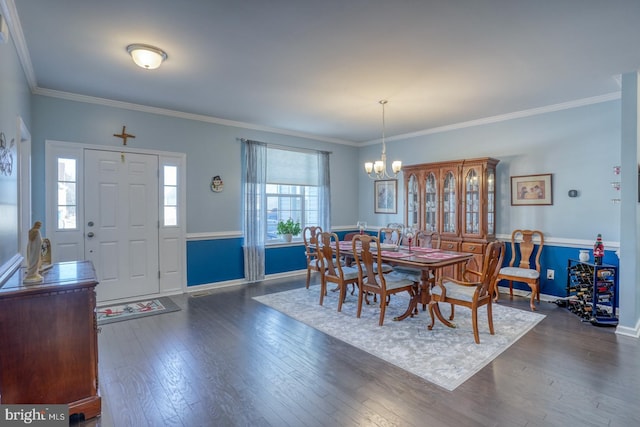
pixel 254 173
pixel 324 194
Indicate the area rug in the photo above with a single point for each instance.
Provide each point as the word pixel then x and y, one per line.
pixel 135 310
pixel 444 356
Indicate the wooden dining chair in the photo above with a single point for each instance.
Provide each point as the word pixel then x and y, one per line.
pixel 366 250
pixel 475 291
pixel 310 238
pixel 333 270
pixel 392 237
pixel 428 239
pixel 524 265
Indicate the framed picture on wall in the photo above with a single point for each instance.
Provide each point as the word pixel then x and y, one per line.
pixel 385 196
pixel 531 190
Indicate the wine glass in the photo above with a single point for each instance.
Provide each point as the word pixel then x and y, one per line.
pixel 362 225
pixel 409 233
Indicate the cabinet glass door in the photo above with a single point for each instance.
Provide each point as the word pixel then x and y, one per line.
pixel 412 202
pixel 491 202
pixel 472 203
pixel 430 203
pixel 449 203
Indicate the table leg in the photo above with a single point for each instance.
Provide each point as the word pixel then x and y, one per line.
pixel 434 308
pixel 413 305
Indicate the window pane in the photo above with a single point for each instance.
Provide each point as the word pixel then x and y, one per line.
pixel 66 217
pixel 170 215
pixel 66 193
pixel 67 170
pixel 170 175
pixel 170 196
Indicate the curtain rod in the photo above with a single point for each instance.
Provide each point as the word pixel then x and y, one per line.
pixel 287 147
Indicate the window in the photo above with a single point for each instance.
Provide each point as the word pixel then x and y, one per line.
pixel 67 194
pixel 292 189
pixel 170 199
pixel 298 202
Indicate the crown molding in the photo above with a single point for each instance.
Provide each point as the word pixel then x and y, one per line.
pixel 179 114
pixel 504 117
pixel 10 13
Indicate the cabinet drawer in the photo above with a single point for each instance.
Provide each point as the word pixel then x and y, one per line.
pixel 449 246
pixel 474 248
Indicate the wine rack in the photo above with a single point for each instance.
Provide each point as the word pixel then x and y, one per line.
pixel 592 292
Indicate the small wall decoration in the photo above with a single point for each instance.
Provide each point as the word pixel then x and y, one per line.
pixel 386 196
pixel 6 156
pixel 124 135
pixel 216 184
pixel 531 190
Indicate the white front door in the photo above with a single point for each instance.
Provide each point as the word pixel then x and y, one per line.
pixel 121 222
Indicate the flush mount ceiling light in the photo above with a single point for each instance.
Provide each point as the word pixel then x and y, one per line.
pixel 378 169
pixel 145 56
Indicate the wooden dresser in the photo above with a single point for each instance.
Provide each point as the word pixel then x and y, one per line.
pixel 48 339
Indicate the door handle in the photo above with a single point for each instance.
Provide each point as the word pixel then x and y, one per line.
pixel 90 234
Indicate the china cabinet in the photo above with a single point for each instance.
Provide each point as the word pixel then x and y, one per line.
pixel 456 199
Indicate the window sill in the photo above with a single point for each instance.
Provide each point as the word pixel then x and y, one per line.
pixel 278 243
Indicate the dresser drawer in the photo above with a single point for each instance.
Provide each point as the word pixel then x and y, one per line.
pixel 473 248
pixel 449 246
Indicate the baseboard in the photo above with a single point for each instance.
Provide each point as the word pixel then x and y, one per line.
pixel 526 294
pixel 629 332
pixel 238 282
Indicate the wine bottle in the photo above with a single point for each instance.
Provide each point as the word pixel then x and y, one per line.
pixel 598 250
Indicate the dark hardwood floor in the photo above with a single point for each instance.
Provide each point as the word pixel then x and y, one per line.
pixel 227 360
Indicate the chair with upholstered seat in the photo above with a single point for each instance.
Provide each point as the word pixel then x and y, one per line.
pixel 389 239
pixel 525 263
pixel 390 236
pixel 367 254
pixel 310 238
pixel 333 270
pixel 475 291
pixel 427 239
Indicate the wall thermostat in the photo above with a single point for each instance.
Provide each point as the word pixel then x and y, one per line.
pixel 573 193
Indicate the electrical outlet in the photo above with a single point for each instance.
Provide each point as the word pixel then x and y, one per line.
pixel 551 274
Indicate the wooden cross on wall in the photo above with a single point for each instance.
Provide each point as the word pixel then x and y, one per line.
pixel 124 135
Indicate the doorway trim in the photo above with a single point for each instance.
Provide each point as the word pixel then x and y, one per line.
pixel 172 246
pixel 24 183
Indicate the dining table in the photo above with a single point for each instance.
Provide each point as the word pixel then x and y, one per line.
pixel 428 261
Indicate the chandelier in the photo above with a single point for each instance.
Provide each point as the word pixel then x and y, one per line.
pixel 378 169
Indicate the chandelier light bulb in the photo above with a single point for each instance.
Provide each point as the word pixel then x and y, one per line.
pixel 379 167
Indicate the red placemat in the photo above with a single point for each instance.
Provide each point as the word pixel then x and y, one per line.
pixel 425 250
pixel 390 254
pixel 438 255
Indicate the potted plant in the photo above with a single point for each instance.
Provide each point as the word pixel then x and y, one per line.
pixel 288 229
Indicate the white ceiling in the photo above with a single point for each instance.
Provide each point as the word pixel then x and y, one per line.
pixel 320 67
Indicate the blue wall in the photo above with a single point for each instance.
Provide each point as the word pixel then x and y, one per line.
pixel 210 261
pixel 219 260
pixel 555 258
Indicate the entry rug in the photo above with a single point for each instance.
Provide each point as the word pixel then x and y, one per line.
pixel 135 310
pixel 444 356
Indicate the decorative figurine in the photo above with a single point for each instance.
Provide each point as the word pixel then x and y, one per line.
pixel 45 256
pixel 217 184
pixel 34 248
